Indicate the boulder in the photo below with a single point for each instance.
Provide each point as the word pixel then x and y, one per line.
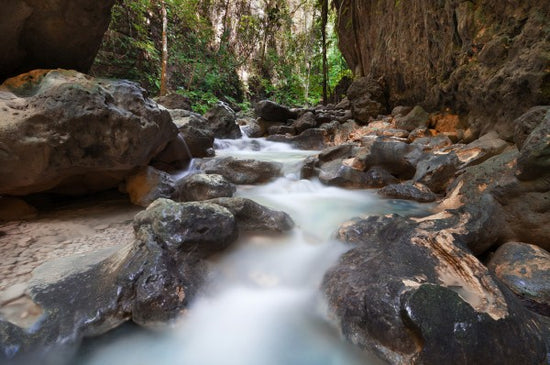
pixel 306 121
pixel 222 121
pixel 67 132
pixel 367 99
pixel 525 270
pixel 310 139
pixel 197 228
pixel 198 187
pixel 408 292
pixel 196 133
pixel 338 173
pixel 43 35
pixel 273 112
pixel 148 185
pixel 396 157
pixel 416 118
pixel 251 127
pixel 437 171
pixel 342 151
pixel 281 129
pixel 241 171
pixel 408 191
pixel 176 156
pixel 527 122
pixel 534 157
pixel 430 143
pixel 253 217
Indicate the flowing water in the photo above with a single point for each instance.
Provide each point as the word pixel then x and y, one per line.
pixel 263 306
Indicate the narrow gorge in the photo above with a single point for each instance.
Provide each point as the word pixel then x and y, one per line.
pixel 206 182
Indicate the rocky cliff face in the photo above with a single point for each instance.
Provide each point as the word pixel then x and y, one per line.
pixel 489 61
pixel 51 34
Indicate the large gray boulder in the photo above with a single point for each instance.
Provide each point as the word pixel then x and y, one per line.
pixel 222 121
pixel 67 132
pixel 198 187
pixel 409 292
pixel 240 171
pixel 273 112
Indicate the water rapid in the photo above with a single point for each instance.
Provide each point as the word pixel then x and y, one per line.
pixel 263 306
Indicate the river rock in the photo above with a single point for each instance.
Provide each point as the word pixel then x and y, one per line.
pixel 253 217
pixel 251 127
pixel 534 158
pixel 306 121
pixel 198 187
pixel 409 293
pixel 367 99
pixel 408 191
pixel 339 173
pixel 70 133
pixel 222 121
pixel 342 151
pixel 37 35
pixel 273 112
pixel 281 129
pixel 437 171
pixel 195 227
pixel 174 157
pixel 396 157
pixel 240 171
pixel 310 139
pixel 527 122
pixel 430 143
pixel 481 149
pixel 416 118
pixel 174 101
pixel 148 185
pixel 196 133
pixel 525 269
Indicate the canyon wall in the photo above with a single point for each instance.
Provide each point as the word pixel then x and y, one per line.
pixel 488 61
pixel 51 34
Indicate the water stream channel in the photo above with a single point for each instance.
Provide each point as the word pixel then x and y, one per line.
pixel 263 306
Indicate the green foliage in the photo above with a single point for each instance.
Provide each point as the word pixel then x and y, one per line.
pixel 211 41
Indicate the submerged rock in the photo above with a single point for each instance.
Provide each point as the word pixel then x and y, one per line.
pixel 525 269
pixel 254 217
pixel 241 171
pixel 72 134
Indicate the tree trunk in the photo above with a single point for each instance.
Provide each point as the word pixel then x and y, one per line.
pixel 164 65
pixel 324 21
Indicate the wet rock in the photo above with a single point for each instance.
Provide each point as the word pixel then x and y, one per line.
pixel 396 157
pixel 196 227
pixel 310 139
pixel 409 293
pixel 367 99
pixel 241 171
pixel 305 121
pixel 251 127
pixel 149 184
pixel 524 269
pixel 198 187
pixel 15 209
pixel 338 173
pixel 437 171
pixel 527 122
pixel 73 134
pixel 408 191
pixel 222 121
pixel 416 118
pixel 253 217
pixel 176 155
pixel 196 133
pixel 36 36
pixel 342 151
pixel 281 129
pixel 309 168
pixel 534 158
pixel 174 101
pixel 273 112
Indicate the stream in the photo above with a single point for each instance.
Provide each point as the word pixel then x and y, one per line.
pixel 263 305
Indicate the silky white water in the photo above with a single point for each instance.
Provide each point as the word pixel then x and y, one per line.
pixel 263 305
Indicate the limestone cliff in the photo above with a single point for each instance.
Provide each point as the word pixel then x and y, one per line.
pixel 51 34
pixel 488 61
